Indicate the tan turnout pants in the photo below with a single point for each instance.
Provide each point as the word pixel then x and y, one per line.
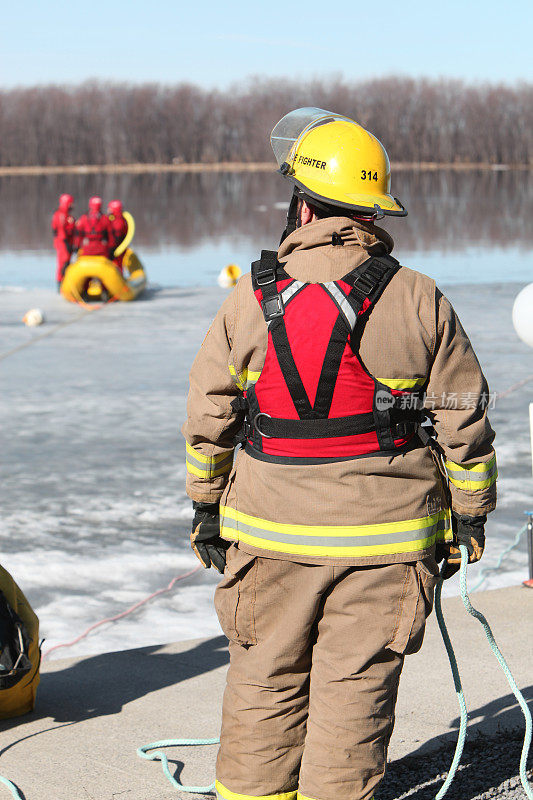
pixel 315 659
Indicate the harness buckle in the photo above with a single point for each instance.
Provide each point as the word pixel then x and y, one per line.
pixel 256 426
pixel 265 277
pixel 273 307
pixel 363 285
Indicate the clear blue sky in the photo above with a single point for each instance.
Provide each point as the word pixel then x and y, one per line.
pixel 217 43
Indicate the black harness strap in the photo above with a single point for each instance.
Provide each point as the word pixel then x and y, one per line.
pixel 264 277
pixel 277 428
pixel 330 368
pixel 265 274
pixel 288 367
pixel 368 279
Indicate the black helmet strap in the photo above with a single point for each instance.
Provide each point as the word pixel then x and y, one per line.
pixel 292 216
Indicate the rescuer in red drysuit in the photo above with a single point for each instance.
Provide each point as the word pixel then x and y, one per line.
pixel 119 229
pixel 94 230
pixel 63 226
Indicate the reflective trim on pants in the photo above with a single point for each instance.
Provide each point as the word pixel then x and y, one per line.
pixel 225 794
pixel 303 797
pixel 390 538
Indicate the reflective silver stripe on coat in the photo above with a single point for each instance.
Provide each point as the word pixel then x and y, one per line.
pixel 470 475
pixel 209 473
pixel 331 542
pixel 292 289
pixel 342 303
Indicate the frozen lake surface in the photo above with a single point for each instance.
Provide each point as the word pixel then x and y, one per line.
pixel 95 515
pixel 470 227
pixel 94 510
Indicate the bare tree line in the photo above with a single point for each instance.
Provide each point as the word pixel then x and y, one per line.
pixel 445 121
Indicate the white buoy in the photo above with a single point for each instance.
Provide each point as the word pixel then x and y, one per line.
pixel 33 317
pixel 229 276
pixel 523 315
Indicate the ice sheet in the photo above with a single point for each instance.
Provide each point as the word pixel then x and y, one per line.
pixel 94 510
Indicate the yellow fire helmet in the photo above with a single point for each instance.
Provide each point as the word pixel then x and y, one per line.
pixel 333 160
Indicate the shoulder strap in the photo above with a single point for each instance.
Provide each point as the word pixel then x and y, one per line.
pixel 265 274
pixel 368 281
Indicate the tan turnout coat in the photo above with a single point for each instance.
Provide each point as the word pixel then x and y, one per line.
pixel 371 510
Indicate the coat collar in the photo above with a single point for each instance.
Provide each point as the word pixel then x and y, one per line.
pixel 353 233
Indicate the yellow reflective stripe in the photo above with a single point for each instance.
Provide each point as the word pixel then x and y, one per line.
pixel 330 530
pixel 304 797
pixel 207 459
pixel 207 467
pixel 336 540
pixel 244 379
pixel 470 486
pixel 474 477
pixel 233 373
pixel 334 552
pixel 402 383
pixel 207 474
pixel 483 466
pixel 227 795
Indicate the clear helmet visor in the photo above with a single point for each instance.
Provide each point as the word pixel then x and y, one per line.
pixel 292 126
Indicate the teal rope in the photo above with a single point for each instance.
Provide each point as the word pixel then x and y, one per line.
pixel 12 788
pixel 458 689
pixel 160 756
pixel 484 572
pixel 506 671
pixel 457 681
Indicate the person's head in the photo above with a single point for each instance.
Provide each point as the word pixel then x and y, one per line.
pixel 95 205
pixel 336 166
pixel 115 207
pixel 66 201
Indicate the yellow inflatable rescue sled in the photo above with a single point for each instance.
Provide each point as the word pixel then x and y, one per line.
pixel 96 278
pixel 20 654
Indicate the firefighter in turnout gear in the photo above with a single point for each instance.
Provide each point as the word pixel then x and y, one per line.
pixel 329 517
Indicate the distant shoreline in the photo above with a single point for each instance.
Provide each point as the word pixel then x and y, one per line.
pixel 138 169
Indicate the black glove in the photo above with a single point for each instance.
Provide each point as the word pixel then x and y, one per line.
pixel 206 542
pixel 469 531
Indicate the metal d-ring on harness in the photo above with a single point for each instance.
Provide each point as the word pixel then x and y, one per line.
pixel 256 424
pixel 158 755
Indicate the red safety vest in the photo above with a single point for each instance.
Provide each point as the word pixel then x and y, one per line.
pixel 315 401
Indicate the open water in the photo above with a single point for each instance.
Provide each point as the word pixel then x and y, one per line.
pixel 94 512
